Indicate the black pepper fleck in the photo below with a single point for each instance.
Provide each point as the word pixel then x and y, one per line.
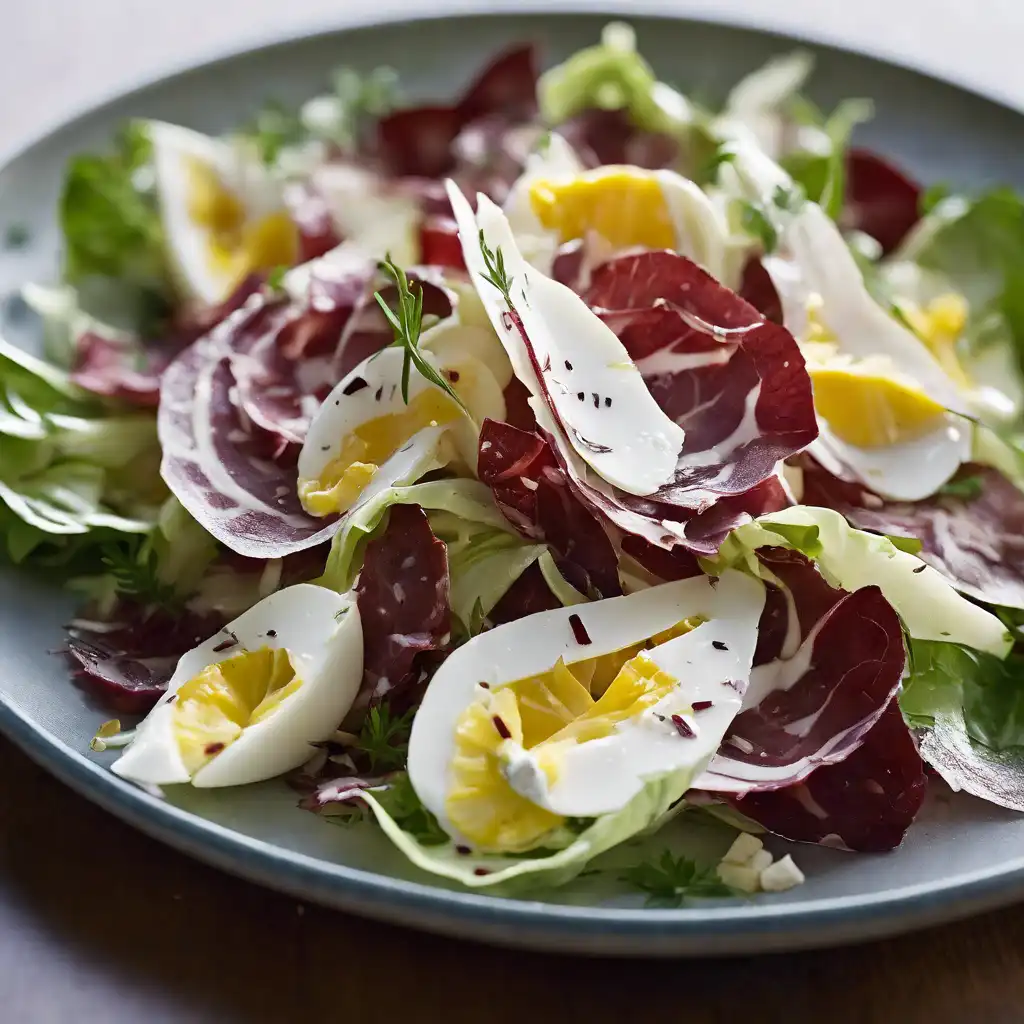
pixel 480 872
pixel 920 568
pixel 380 391
pixel 353 386
pixel 568 365
pixel 271 633
pixel 580 395
pixel 719 646
pixel 607 403
pixel 453 376
pixel 486 686
pixel 463 851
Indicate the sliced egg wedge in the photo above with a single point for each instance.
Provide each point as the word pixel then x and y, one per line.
pixel 366 437
pixel 247 704
pixel 569 714
pixel 221 212
pixel 609 416
pixel 890 415
pixel 625 207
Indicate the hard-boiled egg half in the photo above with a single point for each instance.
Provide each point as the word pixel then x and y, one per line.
pixel 366 437
pixel 560 349
pixel 247 704
pixel 889 414
pixel 569 714
pixel 613 209
pixel 221 211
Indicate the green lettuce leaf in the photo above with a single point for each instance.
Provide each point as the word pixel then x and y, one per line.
pixel 578 845
pixel 929 607
pixel 485 557
pixel 73 473
pixel 111 226
pixel 613 76
pixel 968 708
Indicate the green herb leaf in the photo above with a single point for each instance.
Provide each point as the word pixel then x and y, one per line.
pixel 757 223
pixel 400 801
pixel 275 279
pixel 494 262
pixel 911 545
pixel 932 196
pixel 274 127
pixel 670 880
pixel 134 566
pixel 967 487
pixel 384 738
pixel 111 225
pixel 361 98
pixel 407 323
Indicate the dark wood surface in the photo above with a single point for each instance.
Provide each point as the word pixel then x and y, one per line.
pixel 100 924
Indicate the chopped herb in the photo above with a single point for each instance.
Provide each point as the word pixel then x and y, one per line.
pixel 496 274
pixel 384 738
pixel 911 545
pixel 670 880
pixel 709 169
pixel 967 487
pixel 788 199
pixel 16 236
pixel 400 801
pixel 757 223
pixel 407 323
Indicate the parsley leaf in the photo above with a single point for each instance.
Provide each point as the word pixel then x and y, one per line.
pixel 403 805
pixel 407 323
pixel 670 880
pixel 360 98
pixel 967 487
pixel 384 738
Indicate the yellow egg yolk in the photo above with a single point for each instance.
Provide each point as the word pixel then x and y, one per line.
pixel 212 709
pixel 363 451
pixel 624 206
pixel 869 408
pixel 939 325
pixel 547 715
pixel 237 245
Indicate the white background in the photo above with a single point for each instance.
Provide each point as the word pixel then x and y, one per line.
pixel 62 55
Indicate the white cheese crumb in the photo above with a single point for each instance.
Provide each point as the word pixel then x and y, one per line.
pixel 760 861
pixel 739 877
pixel 781 875
pixel 743 848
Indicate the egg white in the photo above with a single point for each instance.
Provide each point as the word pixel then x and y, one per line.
pixel 631 443
pixel 602 776
pixel 813 269
pixel 428 448
pixel 175 149
pixel 702 233
pixel 323 634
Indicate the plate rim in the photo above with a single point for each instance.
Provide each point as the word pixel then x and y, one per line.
pixel 625 931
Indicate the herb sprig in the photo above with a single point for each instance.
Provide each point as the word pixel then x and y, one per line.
pixel 407 323
pixel 670 880
pixel 384 738
pixel 400 801
pixel 134 568
pixel 497 275
pixel 967 487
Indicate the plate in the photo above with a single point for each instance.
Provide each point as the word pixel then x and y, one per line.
pixel 961 857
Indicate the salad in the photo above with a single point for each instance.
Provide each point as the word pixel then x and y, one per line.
pixel 527 473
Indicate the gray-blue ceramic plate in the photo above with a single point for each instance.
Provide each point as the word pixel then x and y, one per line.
pixel 961 857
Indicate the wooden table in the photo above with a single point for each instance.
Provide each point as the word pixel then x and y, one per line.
pixel 101 925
